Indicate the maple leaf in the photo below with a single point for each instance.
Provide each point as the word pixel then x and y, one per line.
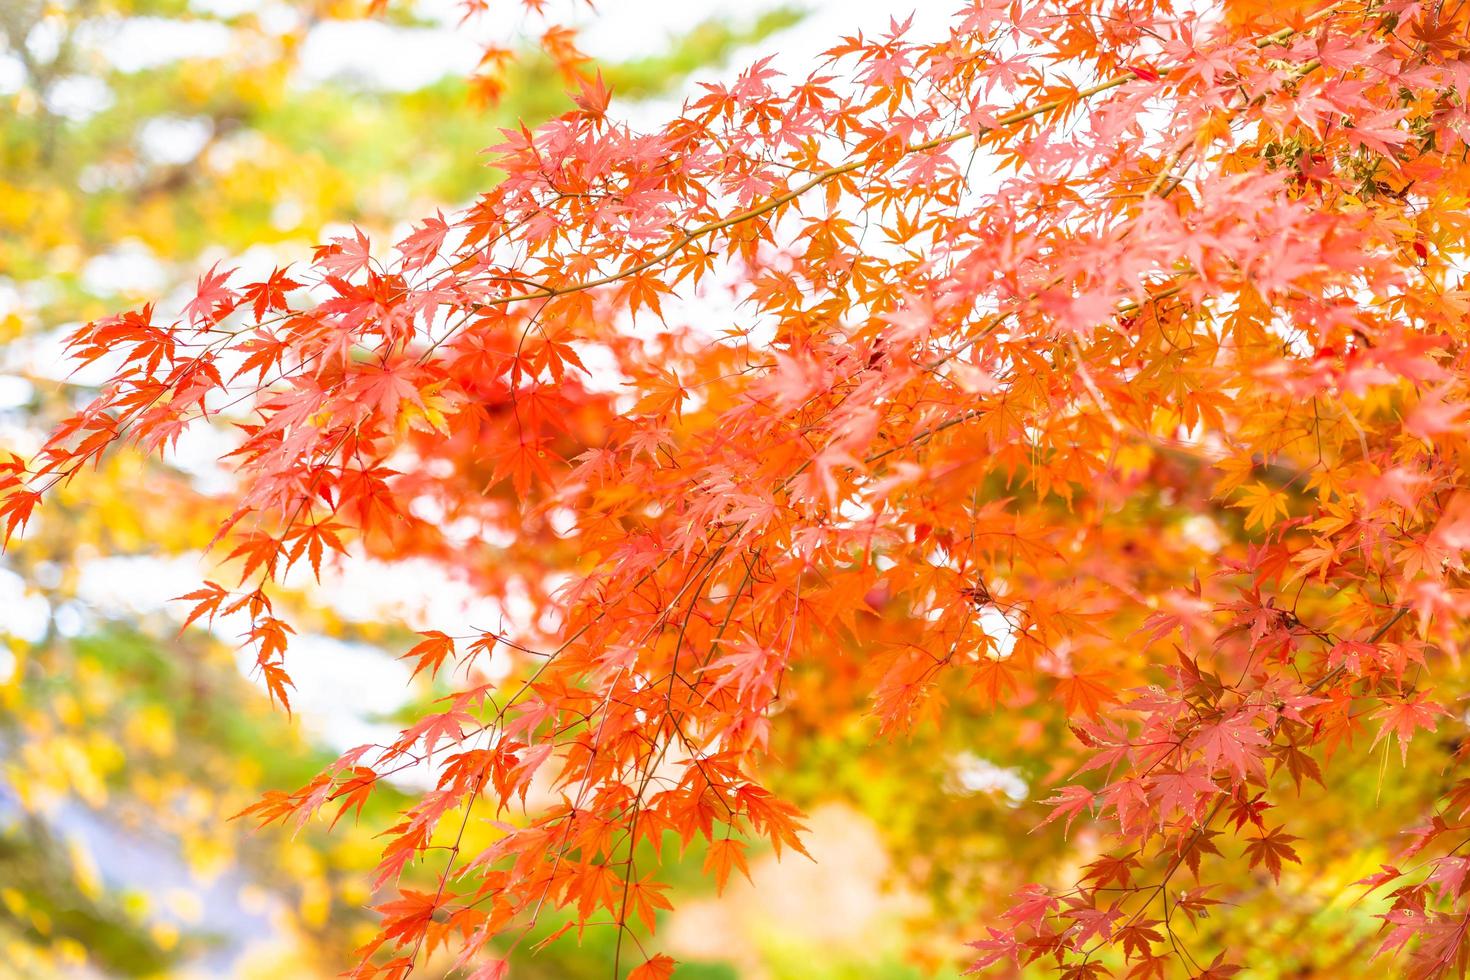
pixel 1032 905
pixel 270 294
pixel 1067 802
pixel 748 666
pixel 1449 874
pixel 314 540
pixel 208 601
pixel 1297 762
pixel 724 855
pixel 995 678
pixel 1085 693
pixel 1182 790
pixel 1386 874
pixel 383 389
pixel 430 652
pixel 1432 415
pixel 1108 869
pixel 593 96
pixel 1195 903
pixel 17 507
pixel 1271 848
pixel 1233 741
pixel 1000 946
pixel 493 969
pixel 1436 31
pixel 518 780
pixel 646 897
pixel 354 791
pixel 265 355
pixel 663 395
pixel 598 886
pixel 1138 938
pixel 1196 847
pixel 419 248
pixel 1218 969
pixel 213 299
pixel 660 967
pixel 344 256
pixel 1149 968
pixel 1402 717
pixel 435 728
pixel 1262 504
pixel 276 682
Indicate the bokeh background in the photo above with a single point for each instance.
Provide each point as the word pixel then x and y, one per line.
pixel 142 141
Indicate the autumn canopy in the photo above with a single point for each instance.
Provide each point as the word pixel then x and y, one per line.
pixel 1083 388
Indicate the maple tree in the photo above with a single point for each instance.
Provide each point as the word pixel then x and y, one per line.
pixel 1148 444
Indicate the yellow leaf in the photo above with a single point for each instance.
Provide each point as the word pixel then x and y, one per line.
pixel 1263 504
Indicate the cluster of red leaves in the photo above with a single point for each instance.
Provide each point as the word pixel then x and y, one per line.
pixel 1213 260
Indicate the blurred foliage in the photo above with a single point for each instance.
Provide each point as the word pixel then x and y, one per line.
pixel 125 748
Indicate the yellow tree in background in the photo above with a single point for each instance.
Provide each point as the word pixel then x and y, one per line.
pixel 140 140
